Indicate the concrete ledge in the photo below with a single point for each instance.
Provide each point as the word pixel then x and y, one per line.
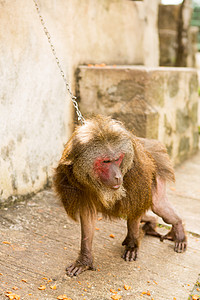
pixel 157 103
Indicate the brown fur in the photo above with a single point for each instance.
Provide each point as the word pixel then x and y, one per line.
pixel 145 168
pixel 144 160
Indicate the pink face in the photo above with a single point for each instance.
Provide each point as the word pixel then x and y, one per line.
pixel 108 171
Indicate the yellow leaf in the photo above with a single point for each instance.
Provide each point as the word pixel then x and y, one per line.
pixel 42 287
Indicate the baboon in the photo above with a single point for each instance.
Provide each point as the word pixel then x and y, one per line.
pixel 105 168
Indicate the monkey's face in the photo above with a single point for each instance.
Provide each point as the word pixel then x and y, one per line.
pixel 100 153
pixel 107 170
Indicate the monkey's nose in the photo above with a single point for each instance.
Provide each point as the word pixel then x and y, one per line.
pixel 118 179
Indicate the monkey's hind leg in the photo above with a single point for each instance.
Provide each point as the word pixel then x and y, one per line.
pixel 132 240
pixel 150 225
pixel 84 261
pixel 162 207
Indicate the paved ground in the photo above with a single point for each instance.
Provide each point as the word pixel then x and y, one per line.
pixel 38 240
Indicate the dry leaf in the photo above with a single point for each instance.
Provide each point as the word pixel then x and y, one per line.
pixel 148 293
pixel 12 296
pixel 195 297
pixel 127 287
pixel 172 188
pixel 63 297
pixel 113 291
pixel 112 236
pixel 24 280
pixel 53 287
pixel 42 287
pixel 97 228
pixel 7 243
pixel 50 280
pixel 116 297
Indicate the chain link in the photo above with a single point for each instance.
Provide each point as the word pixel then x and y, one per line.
pixel 73 98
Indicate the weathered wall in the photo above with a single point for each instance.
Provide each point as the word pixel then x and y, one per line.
pixel 178 40
pixel 157 103
pixel 35 113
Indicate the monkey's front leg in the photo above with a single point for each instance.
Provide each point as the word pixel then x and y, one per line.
pixel 132 240
pixel 84 261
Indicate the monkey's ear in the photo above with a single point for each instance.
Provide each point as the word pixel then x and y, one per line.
pixel 66 162
pixel 67 156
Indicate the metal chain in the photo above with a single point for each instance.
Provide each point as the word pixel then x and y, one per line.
pixel 73 98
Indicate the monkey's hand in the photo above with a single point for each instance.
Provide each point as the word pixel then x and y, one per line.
pixel 177 234
pixel 131 249
pixel 79 266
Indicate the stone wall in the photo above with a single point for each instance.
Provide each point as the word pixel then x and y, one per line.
pixel 159 103
pixel 178 39
pixel 36 117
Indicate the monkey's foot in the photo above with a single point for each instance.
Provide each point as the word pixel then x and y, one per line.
pixel 177 234
pixel 131 249
pixel 130 254
pixel 150 230
pixel 77 268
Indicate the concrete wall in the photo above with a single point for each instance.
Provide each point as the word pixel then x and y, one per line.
pixel 35 112
pixel 159 103
pixel 178 39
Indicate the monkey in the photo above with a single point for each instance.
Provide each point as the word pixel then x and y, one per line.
pixel 105 168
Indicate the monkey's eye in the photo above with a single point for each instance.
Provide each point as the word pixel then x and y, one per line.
pixel 106 161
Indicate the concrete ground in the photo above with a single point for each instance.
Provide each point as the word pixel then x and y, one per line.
pixel 38 240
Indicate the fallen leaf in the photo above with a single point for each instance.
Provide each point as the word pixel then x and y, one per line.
pixel 44 278
pixel 148 293
pixel 24 280
pixel 195 297
pixel 100 218
pixel 127 287
pixel 112 236
pixel 15 288
pixel 97 228
pixel 12 296
pixel 50 280
pixel 113 291
pixel 172 188
pixel 6 243
pixel 53 287
pixel 42 287
pixel 116 297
